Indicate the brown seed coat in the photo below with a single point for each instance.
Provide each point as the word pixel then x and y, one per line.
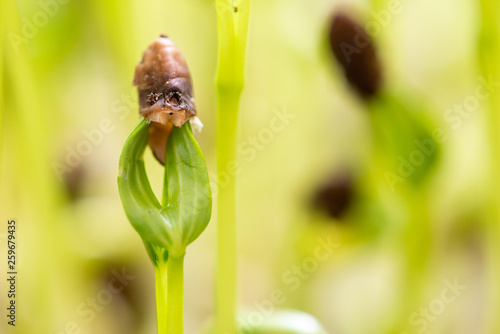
pixel 165 92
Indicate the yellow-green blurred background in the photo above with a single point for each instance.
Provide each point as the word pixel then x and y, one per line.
pixel 66 74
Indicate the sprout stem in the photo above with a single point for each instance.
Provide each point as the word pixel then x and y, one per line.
pixel 161 297
pixel 175 295
pixel 226 207
pixel 169 281
pixel 232 27
pixel 489 55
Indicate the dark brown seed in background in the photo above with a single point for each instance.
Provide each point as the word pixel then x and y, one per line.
pixel 356 54
pixel 165 92
pixel 335 196
pixel 74 181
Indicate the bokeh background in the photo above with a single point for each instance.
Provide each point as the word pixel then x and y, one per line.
pixel 67 106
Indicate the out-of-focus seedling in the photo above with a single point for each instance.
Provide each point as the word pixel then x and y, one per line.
pixel 405 151
pixel 489 64
pixel 400 123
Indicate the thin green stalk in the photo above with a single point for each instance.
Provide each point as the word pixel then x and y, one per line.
pixel 378 4
pixel 417 248
pixel 397 125
pixel 169 281
pixel 232 27
pixel 2 50
pixel 161 297
pixel 226 204
pixel 489 56
pixel 175 295
pixel 35 176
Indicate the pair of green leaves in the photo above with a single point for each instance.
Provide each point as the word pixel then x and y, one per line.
pixel 187 201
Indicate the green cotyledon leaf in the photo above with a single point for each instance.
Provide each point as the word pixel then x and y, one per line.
pixel 141 206
pixel 187 197
pixel 186 212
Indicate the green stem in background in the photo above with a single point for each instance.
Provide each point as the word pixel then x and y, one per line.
pixel 226 233
pixel 398 122
pixel 232 28
pixel 35 176
pixel 417 249
pixel 2 50
pixel 378 4
pixel 489 61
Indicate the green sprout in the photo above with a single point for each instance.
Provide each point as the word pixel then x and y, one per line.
pixel 232 28
pixel 167 228
pixel 489 65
